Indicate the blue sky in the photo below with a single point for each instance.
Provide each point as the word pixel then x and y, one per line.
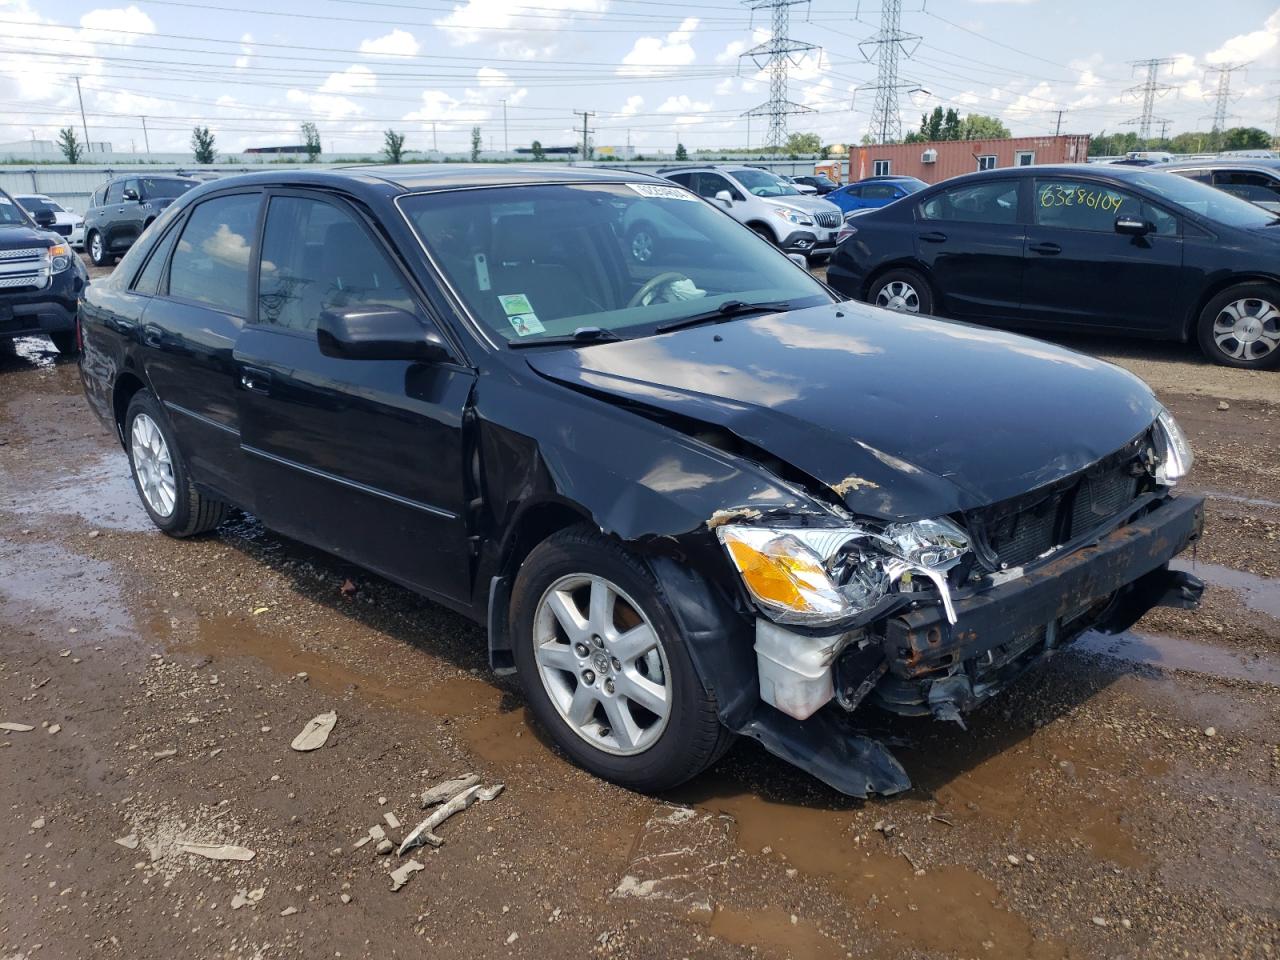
pixel 653 71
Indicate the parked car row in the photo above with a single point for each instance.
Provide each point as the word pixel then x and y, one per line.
pixel 41 278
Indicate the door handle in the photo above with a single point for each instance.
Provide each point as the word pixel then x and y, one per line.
pixel 1048 249
pixel 933 236
pixel 255 381
pixel 152 335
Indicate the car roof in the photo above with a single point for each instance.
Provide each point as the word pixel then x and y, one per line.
pixel 1225 163
pixel 1101 171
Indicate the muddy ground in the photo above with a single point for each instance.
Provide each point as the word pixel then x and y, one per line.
pixel 1120 802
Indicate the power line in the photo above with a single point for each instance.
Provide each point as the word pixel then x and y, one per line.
pixel 1150 89
pixel 779 53
pixel 1222 97
pixel 886 119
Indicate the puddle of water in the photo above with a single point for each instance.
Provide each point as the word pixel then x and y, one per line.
pixel 1236 498
pixel 102 494
pixel 37 351
pixel 1258 593
pixel 772 932
pixel 68 590
pixel 1174 653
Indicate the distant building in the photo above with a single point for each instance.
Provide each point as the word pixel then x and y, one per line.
pixel 551 151
pixel 942 159
pixel 46 149
pixel 300 148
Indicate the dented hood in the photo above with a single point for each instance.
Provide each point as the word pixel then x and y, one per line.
pixel 903 416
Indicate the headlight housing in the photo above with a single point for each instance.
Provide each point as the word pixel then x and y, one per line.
pixel 815 576
pixel 1176 457
pixel 59 257
pixel 792 215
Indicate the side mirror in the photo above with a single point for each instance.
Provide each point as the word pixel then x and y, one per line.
pixel 44 218
pixel 376 332
pixel 1133 227
pixel 130 193
pixel 724 198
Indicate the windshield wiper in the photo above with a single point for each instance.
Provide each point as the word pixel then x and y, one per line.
pixel 726 311
pixel 580 336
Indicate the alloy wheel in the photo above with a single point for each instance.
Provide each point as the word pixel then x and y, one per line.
pixel 642 245
pixel 153 465
pixel 95 248
pixel 898 295
pixel 1247 329
pixel 602 664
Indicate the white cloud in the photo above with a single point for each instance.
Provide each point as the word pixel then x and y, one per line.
pixel 116 25
pixel 652 56
pixel 246 51
pixel 632 106
pixel 354 79
pixel 1246 47
pixel 683 104
pixel 397 43
pixel 503 22
pixel 324 106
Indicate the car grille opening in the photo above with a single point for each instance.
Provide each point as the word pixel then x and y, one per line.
pixel 827 219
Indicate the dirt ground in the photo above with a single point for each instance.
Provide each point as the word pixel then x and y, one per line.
pixel 1120 802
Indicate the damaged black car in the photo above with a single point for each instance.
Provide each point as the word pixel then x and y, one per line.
pixel 691 497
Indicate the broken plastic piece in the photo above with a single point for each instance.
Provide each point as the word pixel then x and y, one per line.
pixel 16 727
pixel 216 851
pixel 315 733
pixel 422 832
pixel 129 842
pixel 400 875
pixel 392 820
pixel 449 789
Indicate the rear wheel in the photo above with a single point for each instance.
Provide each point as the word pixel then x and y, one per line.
pixel 65 341
pixel 904 291
pixel 1240 327
pixel 604 667
pixel 98 250
pixel 160 474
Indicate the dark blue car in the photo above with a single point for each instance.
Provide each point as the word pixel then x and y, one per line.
pixel 874 192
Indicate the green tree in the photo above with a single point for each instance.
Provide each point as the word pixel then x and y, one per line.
pixel 931 125
pixel 70 145
pixel 1246 138
pixel 681 152
pixel 392 145
pixel 979 126
pixel 311 140
pixel 202 145
pixel 804 143
pixel 475 144
pixel 951 125
pixel 538 152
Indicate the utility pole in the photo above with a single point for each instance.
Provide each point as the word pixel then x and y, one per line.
pixel 1275 137
pixel 435 147
pixel 1057 130
pixel 886 119
pixel 83 122
pixel 1149 91
pixel 506 145
pixel 584 114
pixel 145 139
pixel 1222 97
pixel 1164 130
pixel 777 53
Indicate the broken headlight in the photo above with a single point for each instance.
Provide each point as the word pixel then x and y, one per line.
pixel 1175 452
pixel 814 576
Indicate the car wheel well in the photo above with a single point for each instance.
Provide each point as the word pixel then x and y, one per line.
pixel 888 268
pixel 1193 318
pixel 759 226
pixel 126 386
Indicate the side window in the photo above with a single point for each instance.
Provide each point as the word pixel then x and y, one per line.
pixel 1200 176
pixel 1024 158
pixel 880 168
pixel 148 281
pixel 1079 205
pixel 211 262
pixel 115 191
pixel 315 256
pixel 1166 223
pixel 987 161
pixel 995 201
pixel 131 185
pixel 709 184
pixel 684 179
pixel 1254 187
pixel 98 196
pixel 879 191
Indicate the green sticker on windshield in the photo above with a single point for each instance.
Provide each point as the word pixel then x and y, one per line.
pixel 520 313
pixel 514 303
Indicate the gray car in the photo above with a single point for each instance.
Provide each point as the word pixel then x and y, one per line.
pixel 122 208
pixel 1256 179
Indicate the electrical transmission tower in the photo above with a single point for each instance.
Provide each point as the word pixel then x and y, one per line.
pixel 1149 90
pixel 886 120
pixel 1222 96
pixel 777 53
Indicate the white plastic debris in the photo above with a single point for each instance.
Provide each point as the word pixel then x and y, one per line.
pixel 392 820
pixel 315 733
pixel 16 727
pixel 400 876
pixel 376 832
pixel 448 790
pixel 422 833
pixel 216 851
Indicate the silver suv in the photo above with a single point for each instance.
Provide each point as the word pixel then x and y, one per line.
pixel 767 204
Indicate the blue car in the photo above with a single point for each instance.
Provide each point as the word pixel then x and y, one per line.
pixel 873 192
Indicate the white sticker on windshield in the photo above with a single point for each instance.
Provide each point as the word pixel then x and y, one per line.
pixel 662 193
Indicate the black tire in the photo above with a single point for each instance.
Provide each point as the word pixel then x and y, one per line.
pixel 192 512
pixel 764 233
pixel 693 738
pixel 98 250
pixel 1256 297
pixel 65 342
pixel 642 242
pixel 919 285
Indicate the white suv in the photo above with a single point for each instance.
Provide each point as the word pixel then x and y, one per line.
pixel 766 203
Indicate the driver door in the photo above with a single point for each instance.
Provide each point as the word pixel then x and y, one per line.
pixel 362 458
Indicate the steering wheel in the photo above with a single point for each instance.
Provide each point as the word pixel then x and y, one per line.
pixel 654 284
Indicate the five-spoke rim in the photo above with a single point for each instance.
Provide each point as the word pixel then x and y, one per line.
pixel 1247 329
pixel 153 466
pixel 642 245
pixel 602 664
pixel 899 295
pixel 95 247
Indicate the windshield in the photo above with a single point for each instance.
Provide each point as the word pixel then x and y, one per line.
pixel 36 204
pixel 10 213
pixel 155 188
pixel 1209 202
pixel 911 186
pixel 544 261
pixel 762 183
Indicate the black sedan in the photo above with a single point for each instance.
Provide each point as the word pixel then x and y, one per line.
pixel 1111 249
pixel 689 500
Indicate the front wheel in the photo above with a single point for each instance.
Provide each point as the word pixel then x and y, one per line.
pixel 98 250
pixel 604 667
pixel 1240 327
pixel 642 242
pixel 904 291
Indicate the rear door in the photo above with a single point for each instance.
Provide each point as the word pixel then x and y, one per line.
pixel 362 458
pixel 1081 272
pixel 112 214
pixel 970 237
pixel 132 212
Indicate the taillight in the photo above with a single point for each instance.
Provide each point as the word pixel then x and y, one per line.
pixel 846 231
